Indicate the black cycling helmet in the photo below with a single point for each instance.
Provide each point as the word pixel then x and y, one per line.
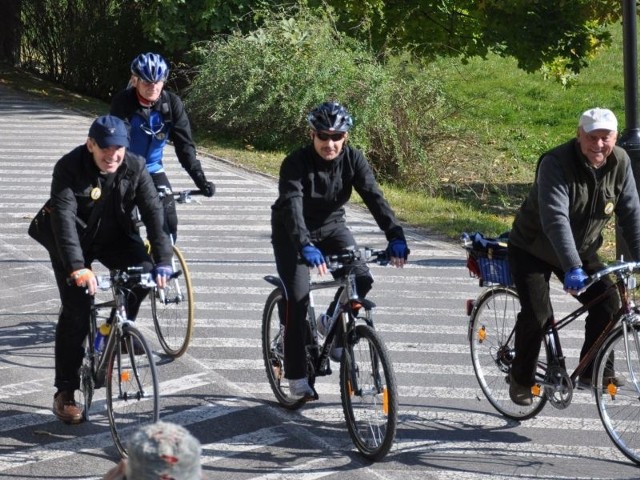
pixel 150 67
pixel 331 117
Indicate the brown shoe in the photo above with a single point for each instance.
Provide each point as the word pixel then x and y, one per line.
pixel 65 407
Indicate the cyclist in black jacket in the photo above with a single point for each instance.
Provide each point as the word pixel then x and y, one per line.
pixel 308 222
pixel 94 190
pixel 154 116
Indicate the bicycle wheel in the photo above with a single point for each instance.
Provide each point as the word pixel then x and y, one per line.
pixel 132 388
pixel 491 338
pixel 369 393
pixel 173 309
pixel 619 402
pixel 273 351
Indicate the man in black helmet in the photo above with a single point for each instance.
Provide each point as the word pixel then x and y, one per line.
pixel 308 222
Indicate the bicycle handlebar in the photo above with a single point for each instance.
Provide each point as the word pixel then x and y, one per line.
pixel 366 254
pixel 183 196
pixel 122 277
pixel 619 268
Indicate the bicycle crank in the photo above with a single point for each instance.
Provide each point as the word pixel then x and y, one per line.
pixel 558 387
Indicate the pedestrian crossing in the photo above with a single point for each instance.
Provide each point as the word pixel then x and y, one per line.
pixel 219 390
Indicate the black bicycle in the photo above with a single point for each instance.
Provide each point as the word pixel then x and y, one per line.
pixel 367 381
pixel 615 386
pixel 122 362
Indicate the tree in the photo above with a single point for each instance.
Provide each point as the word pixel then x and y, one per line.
pixel 10 31
pixel 562 33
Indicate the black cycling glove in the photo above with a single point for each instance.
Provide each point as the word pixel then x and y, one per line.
pixel 207 188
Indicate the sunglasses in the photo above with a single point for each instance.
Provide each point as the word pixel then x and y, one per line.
pixel 153 130
pixel 336 137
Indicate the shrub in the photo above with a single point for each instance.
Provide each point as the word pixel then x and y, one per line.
pixel 260 86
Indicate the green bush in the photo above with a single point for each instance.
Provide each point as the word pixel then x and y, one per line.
pixel 260 86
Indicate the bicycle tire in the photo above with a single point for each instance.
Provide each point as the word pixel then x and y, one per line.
pixel 273 351
pixel 618 405
pixel 87 384
pixel 132 388
pixel 371 410
pixel 491 341
pixel 173 318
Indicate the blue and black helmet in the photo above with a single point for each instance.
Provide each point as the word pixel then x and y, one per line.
pixel 330 117
pixel 150 67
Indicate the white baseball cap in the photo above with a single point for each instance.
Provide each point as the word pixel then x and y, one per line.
pixel 598 119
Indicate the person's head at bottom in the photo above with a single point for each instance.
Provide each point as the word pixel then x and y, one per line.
pixel 161 451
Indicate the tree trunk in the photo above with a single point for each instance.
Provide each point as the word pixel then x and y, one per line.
pixel 10 31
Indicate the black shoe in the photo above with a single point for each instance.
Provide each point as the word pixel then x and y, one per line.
pixel 66 408
pixel 519 394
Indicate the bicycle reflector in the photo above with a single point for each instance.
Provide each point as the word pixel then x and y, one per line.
pixel 125 376
pixel 385 401
pixel 612 389
pixel 469 305
pixel 482 334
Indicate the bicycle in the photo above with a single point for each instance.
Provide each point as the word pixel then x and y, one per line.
pixel 492 318
pixel 125 365
pixel 367 381
pixel 173 308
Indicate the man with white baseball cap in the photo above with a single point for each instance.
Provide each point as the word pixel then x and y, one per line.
pixel 579 186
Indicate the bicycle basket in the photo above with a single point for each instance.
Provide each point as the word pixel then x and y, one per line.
pixel 487 259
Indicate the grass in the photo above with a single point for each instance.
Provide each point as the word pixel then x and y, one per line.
pixel 506 119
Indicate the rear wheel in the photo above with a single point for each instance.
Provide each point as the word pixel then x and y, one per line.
pixel 273 350
pixel 491 338
pixel 132 387
pixel 369 393
pixel 173 309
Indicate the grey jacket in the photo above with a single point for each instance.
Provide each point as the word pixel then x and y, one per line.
pixel 569 204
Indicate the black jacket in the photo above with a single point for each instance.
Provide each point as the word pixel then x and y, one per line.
pixel 125 105
pixel 75 175
pixel 313 192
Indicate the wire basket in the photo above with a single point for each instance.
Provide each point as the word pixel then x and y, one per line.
pixel 487 260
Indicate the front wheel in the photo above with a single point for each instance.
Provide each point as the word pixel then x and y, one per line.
pixel 369 393
pixel 617 389
pixel 132 387
pixel 273 350
pixel 491 340
pixel 173 309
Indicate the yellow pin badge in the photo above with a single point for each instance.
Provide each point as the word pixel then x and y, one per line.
pixel 608 208
pixel 96 193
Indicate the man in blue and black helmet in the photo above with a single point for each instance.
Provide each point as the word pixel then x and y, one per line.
pixel 308 222
pixel 154 116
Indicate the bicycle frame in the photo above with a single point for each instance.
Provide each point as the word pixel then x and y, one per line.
pixel 125 366
pixel 553 327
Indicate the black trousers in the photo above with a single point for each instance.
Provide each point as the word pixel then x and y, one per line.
pixel 73 322
pixel 331 239
pixel 531 276
pixel 170 214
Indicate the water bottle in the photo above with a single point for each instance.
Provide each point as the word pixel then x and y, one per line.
pixel 101 335
pixel 324 324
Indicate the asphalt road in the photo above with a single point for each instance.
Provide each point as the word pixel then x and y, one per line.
pixel 218 390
